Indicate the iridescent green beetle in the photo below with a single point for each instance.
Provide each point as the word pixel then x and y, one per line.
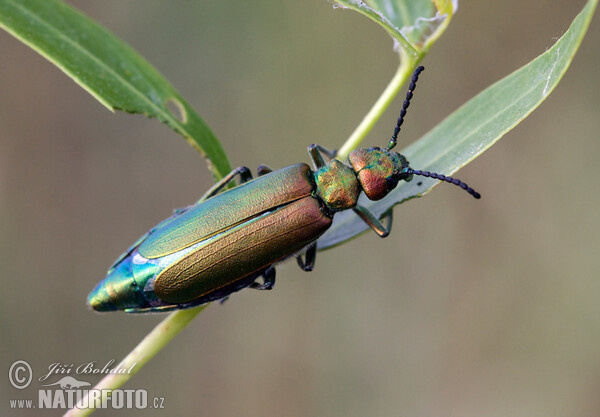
pixel 230 239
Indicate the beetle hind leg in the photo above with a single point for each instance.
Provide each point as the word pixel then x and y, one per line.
pixel 309 258
pixel 268 278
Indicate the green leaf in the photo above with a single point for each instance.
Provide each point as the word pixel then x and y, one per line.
pixel 413 24
pixel 474 127
pixel 108 69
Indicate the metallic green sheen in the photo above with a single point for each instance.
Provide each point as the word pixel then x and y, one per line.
pixel 243 250
pixel 118 291
pixel 337 186
pixel 228 209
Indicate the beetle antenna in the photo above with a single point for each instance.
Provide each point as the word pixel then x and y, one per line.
pixel 409 95
pixel 441 177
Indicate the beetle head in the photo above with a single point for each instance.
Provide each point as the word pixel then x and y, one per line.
pixel 379 170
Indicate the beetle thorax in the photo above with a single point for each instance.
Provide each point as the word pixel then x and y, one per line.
pixel 337 186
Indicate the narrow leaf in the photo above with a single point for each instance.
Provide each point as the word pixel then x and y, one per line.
pixel 474 127
pixel 108 69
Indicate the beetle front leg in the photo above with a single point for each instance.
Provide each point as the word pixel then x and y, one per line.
pixel 244 174
pixel 316 153
pixel 373 222
pixel 309 258
pixel 268 280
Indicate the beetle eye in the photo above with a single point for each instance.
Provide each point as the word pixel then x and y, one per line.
pixel 391 182
pixel 402 175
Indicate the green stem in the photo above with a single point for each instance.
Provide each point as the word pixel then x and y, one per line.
pixel 138 357
pixel 388 95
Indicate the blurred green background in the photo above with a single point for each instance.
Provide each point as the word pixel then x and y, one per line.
pixel 470 308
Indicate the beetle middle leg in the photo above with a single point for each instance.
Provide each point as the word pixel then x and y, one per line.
pixel 373 222
pixel 268 278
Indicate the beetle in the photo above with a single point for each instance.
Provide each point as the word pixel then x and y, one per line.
pixel 231 238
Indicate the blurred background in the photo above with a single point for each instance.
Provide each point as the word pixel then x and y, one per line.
pixel 469 308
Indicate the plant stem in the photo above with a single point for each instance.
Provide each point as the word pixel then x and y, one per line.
pixel 138 357
pixel 402 73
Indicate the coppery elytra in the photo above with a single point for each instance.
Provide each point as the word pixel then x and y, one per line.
pixel 231 238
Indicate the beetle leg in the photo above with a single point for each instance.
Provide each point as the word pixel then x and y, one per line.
pixel 309 263
pixel 373 222
pixel 268 280
pixel 244 174
pixel 316 153
pixel 390 219
pixel 263 169
pixel 329 153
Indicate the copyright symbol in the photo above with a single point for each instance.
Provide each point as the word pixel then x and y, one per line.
pixel 20 374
